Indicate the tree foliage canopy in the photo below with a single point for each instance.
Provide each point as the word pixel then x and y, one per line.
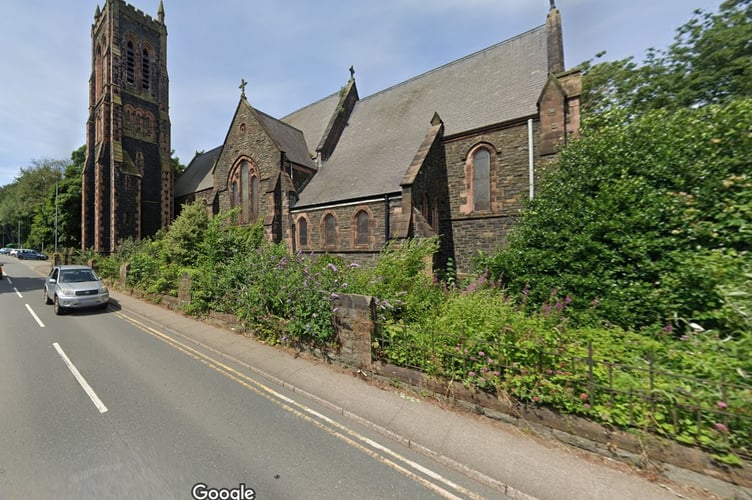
pixel 21 201
pixel 648 218
pixel 709 62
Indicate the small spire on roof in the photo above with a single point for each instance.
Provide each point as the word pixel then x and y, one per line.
pixel 553 4
pixel 160 12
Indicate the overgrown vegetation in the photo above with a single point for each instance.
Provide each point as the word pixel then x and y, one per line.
pixel 475 333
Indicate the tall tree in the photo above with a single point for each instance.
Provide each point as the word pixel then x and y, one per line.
pixel 59 217
pixel 710 61
pixel 27 195
pixel 9 215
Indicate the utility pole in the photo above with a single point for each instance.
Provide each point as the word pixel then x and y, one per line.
pixel 56 218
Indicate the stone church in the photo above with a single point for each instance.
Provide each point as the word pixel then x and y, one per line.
pixel 453 152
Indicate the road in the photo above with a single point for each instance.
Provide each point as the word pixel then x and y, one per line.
pixel 95 404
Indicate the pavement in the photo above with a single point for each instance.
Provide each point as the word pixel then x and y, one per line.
pixel 515 462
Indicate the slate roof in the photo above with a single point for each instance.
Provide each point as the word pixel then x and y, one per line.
pixel 197 176
pixel 313 119
pixel 495 85
pixel 288 138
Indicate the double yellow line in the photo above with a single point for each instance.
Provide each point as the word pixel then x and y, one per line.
pixel 358 441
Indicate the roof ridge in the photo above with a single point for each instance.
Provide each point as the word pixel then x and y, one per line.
pixel 456 61
pixel 278 120
pixel 309 105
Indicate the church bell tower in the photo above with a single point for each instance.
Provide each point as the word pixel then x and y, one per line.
pixel 128 178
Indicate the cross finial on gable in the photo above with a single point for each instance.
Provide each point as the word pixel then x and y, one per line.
pixel 352 72
pixel 243 83
pixel 553 4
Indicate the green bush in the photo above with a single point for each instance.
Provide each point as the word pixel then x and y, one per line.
pixel 399 281
pixel 646 218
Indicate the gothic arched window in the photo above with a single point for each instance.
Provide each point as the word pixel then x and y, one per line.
pixel 302 232
pixel 140 162
pixel 363 228
pixel 146 70
pixel 481 180
pixel 255 203
pixel 330 230
pixel 98 72
pixel 130 63
pixel 244 181
pixel 245 193
pixel 234 198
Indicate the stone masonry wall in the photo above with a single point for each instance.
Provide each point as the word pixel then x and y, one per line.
pixel 355 324
pixel 486 230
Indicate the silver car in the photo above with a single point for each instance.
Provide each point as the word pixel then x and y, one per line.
pixel 75 287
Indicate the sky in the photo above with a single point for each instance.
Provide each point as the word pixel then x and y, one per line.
pixel 291 53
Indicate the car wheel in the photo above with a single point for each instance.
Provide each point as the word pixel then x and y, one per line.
pixel 59 310
pixel 104 306
pixel 46 297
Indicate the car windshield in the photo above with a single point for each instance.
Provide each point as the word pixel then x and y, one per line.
pixel 77 276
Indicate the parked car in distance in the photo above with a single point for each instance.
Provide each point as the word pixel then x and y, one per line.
pixel 74 287
pixel 31 255
pixel 5 251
